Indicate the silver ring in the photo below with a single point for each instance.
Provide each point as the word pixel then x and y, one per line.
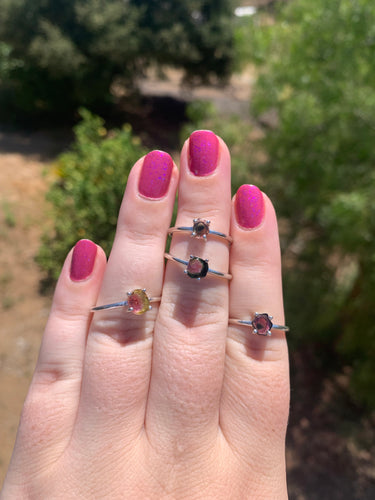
pixel 261 324
pixel 200 229
pixel 138 302
pixel 197 268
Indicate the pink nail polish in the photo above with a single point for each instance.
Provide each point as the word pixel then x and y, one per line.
pixel 83 260
pixel 203 152
pixel 155 174
pixel 249 206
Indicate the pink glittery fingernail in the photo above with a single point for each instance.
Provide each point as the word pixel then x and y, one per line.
pixel 83 260
pixel 155 175
pixel 249 206
pixel 203 152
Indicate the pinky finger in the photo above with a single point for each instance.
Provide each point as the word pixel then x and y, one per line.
pixel 52 401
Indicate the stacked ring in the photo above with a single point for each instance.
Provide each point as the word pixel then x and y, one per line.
pixel 197 268
pixel 261 324
pixel 138 302
pixel 200 229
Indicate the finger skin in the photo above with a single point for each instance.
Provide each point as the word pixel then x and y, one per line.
pixel 189 340
pixel 255 398
pixel 51 404
pixel 119 348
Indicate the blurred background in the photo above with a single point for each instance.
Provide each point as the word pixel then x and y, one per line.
pixel 88 86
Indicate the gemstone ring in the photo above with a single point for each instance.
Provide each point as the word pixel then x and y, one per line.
pixel 138 302
pixel 197 268
pixel 261 324
pixel 200 229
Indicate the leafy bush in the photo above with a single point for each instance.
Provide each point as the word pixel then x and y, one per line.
pixel 87 191
pixel 317 79
pixel 73 51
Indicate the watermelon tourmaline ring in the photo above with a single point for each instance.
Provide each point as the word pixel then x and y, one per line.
pixel 197 268
pixel 138 302
pixel 261 324
pixel 200 230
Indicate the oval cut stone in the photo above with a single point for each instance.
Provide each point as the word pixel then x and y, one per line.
pixel 138 301
pixel 262 324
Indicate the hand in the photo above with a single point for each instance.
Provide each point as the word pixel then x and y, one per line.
pixel 173 403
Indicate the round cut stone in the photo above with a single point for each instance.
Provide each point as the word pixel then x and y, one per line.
pixel 138 301
pixel 200 228
pixel 197 267
pixel 262 324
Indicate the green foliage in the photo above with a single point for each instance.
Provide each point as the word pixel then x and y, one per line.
pixel 89 184
pixel 71 52
pixel 317 79
pixel 317 73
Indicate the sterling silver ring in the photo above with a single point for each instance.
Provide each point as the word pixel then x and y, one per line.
pixel 197 268
pixel 261 324
pixel 200 229
pixel 138 302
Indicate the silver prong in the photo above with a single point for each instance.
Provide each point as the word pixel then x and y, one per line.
pixel 149 308
pixel 194 233
pixel 195 220
pixel 255 331
pixel 269 333
pixel 208 221
pixel 205 236
pixel 129 293
pixel 185 271
pixel 131 309
pixel 271 317
pixel 144 290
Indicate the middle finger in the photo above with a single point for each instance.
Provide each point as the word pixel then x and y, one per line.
pixel 190 332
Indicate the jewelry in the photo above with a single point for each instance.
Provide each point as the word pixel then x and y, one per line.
pixel 138 302
pixel 261 324
pixel 200 229
pixel 197 268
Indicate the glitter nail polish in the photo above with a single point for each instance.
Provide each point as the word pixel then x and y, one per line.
pixel 155 175
pixel 249 206
pixel 83 260
pixel 203 152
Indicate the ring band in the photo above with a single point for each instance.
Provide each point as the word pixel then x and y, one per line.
pixel 200 229
pixel 197 268
pixel 138 302
pixel 261 324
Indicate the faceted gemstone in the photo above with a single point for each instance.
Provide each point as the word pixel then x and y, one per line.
pixel 197 267
pixel 262 324
pixel 138 301
pixel 201 228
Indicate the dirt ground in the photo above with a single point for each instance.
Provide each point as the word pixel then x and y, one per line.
pixel 326 458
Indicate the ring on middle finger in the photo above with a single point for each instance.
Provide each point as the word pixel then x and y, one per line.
pixel 200 230
pixel 197 268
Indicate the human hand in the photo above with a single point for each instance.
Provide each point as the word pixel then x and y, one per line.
pixel 173 403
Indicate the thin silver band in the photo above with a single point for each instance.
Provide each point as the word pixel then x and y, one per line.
pixel 233 321
pixel 219 274
pixel 184 229
pixel 123 303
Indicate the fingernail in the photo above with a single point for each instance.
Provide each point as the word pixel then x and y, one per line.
pixel 249 206
pixel 83 260
pixel 203 152
pixel 155 174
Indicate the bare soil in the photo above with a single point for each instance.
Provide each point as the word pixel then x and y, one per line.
pixel 330 442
